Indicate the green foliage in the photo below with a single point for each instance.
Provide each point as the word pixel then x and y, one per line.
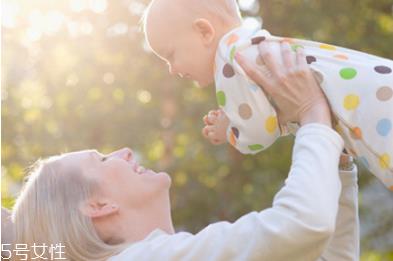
pixel 91 84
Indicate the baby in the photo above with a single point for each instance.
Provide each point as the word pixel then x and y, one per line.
pixel 199 39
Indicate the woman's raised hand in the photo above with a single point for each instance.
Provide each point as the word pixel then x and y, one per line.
pixel 290 84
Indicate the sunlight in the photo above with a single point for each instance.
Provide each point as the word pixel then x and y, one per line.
pixel 143 96
pixel 40 23
pixel 117 29
pixel 9 12
pixel 78 5
pixel 246 4
pixel 76 29
pixel 97 6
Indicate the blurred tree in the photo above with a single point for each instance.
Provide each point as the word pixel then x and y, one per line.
pixel 76 74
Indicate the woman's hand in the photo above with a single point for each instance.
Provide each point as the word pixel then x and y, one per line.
pixel 292 86
pixel 216 124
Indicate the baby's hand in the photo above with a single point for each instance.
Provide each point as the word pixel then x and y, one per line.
pixel 216 126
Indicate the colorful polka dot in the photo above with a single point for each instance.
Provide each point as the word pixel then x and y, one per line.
pixel 228 71
pixel 271 124
pixel 255 147
pixel 232 139
pixel 254 88
pixel 310 59
pixel 258 39
pixel 327 47
pixel 356 133
pixel 245 111
pixel 235 132
pixel 384 127
pixel 382 69
pixel 384 161
pixel 232 54
pixel 384 93
pixel 341 57
pixel 351 102
pixel 221 98
pixel 232 39
pixel 296 46
pixel 348 73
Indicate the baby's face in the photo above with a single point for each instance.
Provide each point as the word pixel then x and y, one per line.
pixel 184 51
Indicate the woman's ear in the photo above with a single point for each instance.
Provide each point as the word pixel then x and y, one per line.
pixel 97 209
pixel 205 30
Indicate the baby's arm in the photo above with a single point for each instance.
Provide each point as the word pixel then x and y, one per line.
pixel 344 244
pixel 216 125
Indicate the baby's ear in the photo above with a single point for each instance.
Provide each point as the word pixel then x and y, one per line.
pixel 205 30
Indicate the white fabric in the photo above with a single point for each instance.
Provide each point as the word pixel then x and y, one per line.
pixel 358 86
pixel 344 244
pixel 297 226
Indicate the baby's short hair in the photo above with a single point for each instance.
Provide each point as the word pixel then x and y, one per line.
pixel 224 10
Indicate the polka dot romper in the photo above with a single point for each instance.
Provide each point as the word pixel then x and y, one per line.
pixel 359 88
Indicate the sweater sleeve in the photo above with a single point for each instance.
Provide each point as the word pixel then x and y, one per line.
pixel 344 244
pixel 296 227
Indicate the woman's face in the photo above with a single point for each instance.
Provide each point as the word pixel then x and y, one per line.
pixel 120 178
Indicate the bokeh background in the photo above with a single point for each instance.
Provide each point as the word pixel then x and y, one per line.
pixel 76 74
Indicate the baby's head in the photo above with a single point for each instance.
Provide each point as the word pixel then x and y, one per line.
pixel 185 34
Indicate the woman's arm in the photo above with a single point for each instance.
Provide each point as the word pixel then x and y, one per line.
pixel 297 226
pixel 302 218
pixel 344 244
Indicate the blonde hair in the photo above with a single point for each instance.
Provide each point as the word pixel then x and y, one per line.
pixel 223 10
pixel 48 212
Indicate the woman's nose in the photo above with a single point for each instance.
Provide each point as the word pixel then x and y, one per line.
pixel 125 153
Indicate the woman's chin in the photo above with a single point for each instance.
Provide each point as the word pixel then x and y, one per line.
pixel 160 178
pixel 166 179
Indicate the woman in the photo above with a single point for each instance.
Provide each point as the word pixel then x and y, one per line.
pixel 107 206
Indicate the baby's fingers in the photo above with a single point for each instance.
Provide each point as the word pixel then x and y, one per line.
pixel 212 117
pixel 205 120
pixel 205 132
pixel 213 139
pixel 208 131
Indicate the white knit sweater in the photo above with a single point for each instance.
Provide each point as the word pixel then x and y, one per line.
pixel 300 225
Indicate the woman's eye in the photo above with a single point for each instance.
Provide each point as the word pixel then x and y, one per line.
pixel 104 158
